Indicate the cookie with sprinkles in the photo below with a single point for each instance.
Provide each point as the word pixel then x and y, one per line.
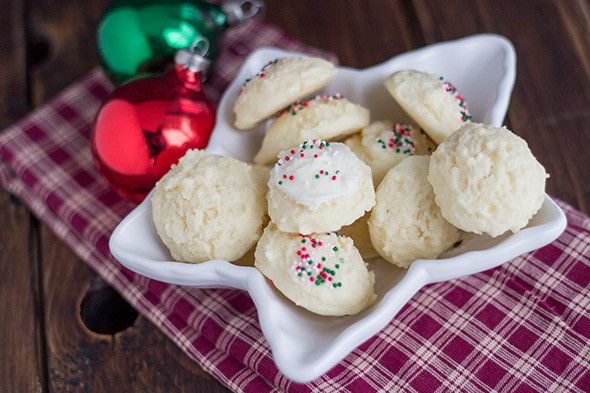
pixel 323 273
pixel 431 101
pixel 383 144
pixel 326 117
pixel 278 84
pixel 318 186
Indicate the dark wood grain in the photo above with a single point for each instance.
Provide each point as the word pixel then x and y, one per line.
pixel 69 28
pixel 13 65
pixel 46 45
pixel 21 344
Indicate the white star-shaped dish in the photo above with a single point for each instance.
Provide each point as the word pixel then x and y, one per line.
pixel 305 345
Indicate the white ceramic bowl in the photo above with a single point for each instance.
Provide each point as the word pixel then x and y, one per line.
pixel 305 345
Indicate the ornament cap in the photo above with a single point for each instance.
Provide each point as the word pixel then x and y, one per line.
pixel 237 11
pixel 194 58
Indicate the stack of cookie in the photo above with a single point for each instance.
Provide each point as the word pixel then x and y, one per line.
pixel 316 185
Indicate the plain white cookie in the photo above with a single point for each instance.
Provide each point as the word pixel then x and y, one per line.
pixel 328 117
pixel 430 101
pixel 280 83
pixel 383 144
pixel 486 180
pixel 406 224
pixel 323 273
pixel 199 215
pixel 318 187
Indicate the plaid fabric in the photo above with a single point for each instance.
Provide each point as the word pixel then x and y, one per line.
pixel 522 327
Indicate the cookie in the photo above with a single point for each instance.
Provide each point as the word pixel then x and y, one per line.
pixel 486 180
pixel 318 187
pixel 323 273
pixel 280 83
pixel 406 224
pixel 326 117
pixel 383 144
pixel 199 215
pixel 430 101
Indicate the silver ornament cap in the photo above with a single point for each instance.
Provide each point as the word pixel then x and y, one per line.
pixel 237 11
pixel 194 58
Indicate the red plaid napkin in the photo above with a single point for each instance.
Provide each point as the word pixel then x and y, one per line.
pixel 523 327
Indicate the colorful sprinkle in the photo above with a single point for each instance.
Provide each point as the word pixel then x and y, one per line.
pixel 449 88
pixel 294 154
pixel 398 139
pixel 297 106
pixel 318 273
pixel 262 72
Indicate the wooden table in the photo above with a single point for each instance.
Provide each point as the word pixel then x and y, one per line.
pixel 46 45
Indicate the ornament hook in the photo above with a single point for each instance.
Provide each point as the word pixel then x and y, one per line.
pixel 238 11
pixel 200 46
pixel 194 58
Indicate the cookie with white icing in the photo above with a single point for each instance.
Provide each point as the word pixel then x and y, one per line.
pixel 317 187
pixel 383 144
pixel 432 102
pixel 199 216
pixel 326 117
pixel 278 84
pixel 486 180
pixel 406 224
pixel 323 273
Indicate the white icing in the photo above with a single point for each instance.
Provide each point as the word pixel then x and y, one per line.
pixel 315 175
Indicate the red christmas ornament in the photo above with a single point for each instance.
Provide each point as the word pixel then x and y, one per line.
pixel 146 125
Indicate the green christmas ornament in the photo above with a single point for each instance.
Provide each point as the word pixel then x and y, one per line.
pixel 139 37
